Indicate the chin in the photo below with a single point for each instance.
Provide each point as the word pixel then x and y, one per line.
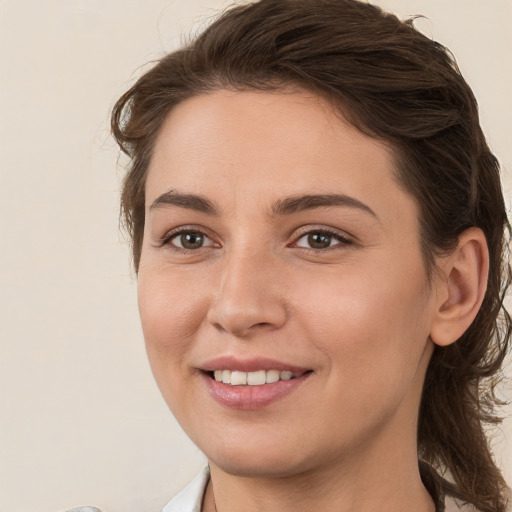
pixel 260 459
pixel 258 466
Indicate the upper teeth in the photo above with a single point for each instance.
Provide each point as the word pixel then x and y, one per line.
pixel 257 378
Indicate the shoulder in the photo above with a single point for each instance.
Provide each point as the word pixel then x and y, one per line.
pixel 191 497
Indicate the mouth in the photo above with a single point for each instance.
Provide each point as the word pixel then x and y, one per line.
pixel 251 384
pixel 254 378
pixel 250 388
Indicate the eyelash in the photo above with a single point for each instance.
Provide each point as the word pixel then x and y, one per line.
pixel 165 241
pixel 343 241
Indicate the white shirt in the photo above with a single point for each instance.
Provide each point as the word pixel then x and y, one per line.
pixel 190 499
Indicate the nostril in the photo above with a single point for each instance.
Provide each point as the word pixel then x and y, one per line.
pixel 241 308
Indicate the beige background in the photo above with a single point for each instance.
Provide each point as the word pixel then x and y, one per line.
pixel 81 421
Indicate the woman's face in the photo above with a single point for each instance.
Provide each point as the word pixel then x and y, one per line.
pixel 278 242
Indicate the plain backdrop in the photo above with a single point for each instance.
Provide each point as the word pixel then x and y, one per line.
pixel 81 420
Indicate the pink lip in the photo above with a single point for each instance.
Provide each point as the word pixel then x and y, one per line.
pixel 250 397
pixel 248 365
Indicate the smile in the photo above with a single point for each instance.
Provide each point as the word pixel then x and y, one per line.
pixel 251 384
pixel 252 390
pixel 256 378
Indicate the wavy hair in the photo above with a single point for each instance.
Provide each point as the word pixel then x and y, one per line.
pixel 393 83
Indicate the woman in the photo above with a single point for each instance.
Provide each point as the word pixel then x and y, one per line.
pixel 318 230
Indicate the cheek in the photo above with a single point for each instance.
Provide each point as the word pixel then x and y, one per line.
pixel 171 310
pixel 372 322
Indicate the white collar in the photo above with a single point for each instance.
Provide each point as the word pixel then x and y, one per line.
pixel 190 499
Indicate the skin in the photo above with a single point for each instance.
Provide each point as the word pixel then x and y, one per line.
pixel 359 313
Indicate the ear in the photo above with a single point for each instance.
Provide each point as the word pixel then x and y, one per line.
pixel 460 288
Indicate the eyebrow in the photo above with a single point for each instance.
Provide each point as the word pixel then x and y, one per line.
pixel 295 204
pixel 287 206
pixel 189 201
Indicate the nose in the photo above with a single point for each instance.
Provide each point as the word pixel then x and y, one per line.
pixel 250 296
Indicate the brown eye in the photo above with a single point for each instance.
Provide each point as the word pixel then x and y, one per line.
pixel 318 240
pixel 190 240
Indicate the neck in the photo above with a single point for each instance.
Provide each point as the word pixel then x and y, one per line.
pixel 391 484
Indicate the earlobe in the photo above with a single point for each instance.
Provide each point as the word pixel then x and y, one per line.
pixel 461 291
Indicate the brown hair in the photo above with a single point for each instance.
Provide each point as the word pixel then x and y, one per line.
pixel 393 83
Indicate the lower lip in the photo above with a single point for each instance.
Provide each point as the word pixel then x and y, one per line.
pixel 251 397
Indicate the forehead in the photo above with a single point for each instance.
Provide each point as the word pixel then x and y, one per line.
pixel 240 145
